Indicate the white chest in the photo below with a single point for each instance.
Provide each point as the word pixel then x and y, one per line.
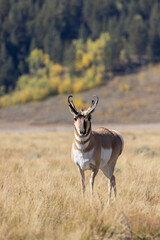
pixel 83 159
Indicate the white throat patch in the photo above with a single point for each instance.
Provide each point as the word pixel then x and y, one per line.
pixel 82 146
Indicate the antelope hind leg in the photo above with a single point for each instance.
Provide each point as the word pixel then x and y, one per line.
pixel 111 184
pixel 111 180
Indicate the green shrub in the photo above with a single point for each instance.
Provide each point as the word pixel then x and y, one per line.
pixel 145 150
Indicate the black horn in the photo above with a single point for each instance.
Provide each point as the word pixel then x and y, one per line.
pixel 71 105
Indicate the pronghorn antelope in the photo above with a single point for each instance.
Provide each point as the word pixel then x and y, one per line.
pixel 94 150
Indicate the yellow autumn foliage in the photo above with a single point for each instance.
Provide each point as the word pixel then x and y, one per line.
pixel 98 79
pixel 88 64
pixel 46 59
pixel 21 97
pixel 22 82
pixel 56 69
pixel 54 83
pixel 3 101
pixel 86 60
pixel 101 69
pixel 78 66
pixel 46 78
pixel 65 86
pixel 80 104
pixel 78 86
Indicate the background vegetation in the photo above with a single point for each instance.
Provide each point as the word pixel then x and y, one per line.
pixel 40 190
pixel 57 46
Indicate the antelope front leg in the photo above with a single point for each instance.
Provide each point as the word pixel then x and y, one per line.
pixel 93 174
pixel 83 179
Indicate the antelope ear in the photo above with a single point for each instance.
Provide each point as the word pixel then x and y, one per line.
pixel 94 103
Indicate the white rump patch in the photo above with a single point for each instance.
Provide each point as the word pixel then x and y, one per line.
pixel 120 137
pixel 105 156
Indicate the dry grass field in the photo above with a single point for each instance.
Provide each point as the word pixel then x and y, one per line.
pixel 40 190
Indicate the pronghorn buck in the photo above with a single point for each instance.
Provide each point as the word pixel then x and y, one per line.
pixel 94 150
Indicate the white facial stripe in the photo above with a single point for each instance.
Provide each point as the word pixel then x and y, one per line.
pixel 82 139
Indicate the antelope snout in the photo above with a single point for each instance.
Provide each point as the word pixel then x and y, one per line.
pixel 83 132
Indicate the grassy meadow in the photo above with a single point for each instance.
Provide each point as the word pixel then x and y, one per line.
pixel 40 190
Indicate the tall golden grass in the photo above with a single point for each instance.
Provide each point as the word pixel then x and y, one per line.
pixel 40 190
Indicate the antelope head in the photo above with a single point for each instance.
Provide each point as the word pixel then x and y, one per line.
pixel 82 118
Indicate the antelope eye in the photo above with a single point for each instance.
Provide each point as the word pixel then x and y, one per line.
pixel 75 119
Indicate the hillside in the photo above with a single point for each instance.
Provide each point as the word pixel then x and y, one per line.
pixel 128 99
pixel 53 26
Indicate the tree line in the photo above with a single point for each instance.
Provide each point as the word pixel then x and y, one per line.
pixel 54 25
